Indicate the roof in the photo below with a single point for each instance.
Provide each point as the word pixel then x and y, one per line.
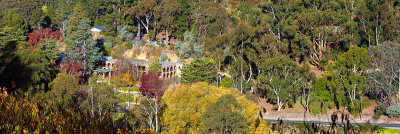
pixel 99 27
pixel 163 64
pixel 137 42
pixel 102 70
pixel 107 58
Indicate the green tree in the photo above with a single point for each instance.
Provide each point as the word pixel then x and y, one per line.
pixel 50 48
pixel 200 69
pixel 182 22
pixel 322 96
pixel 99 99
pixel 189 48
pixel 78 15
pixel 63 91
pixel 14 20
pixel 282 79
pixel 156 67
pixel 167 11
pixel 226 82
pixel 349 71
pixel 83 47
pixel 224 116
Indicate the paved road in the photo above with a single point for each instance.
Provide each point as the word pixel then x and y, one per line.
pixel 392 126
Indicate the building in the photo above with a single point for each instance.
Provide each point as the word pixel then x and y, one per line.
pixel 96 31
pixel 108 64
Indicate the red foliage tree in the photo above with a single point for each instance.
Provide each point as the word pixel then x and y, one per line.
pixel 151 85
pixel 72 68
pixel 42 33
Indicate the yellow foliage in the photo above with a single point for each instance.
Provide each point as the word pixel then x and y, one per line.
pixel 186 104
pixel 44 9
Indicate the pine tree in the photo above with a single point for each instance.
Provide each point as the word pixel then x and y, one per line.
pixel 79 14
pixel 83 48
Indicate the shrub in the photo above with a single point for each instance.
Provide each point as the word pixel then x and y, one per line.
pixel 379 110
pixel 226 82
pixel 164 57
pixel 355 107
pixel 394 110
pixel 128 45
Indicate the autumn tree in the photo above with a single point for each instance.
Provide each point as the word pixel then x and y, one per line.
pixel 37 36
pixel 186 104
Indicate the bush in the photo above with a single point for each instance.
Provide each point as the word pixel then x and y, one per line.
pixel 164 57
pixel 128 45
pixel 379 110
pixel 393 111
pixel 226 82
pixel 355 107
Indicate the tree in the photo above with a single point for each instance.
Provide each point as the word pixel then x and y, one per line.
pixel 226 82
pixel 322 97
pixel 37 36
pixel 83 48
pixel 152 87
pixel 167 10
pixel 79 14
pixel 144 10
pixel 14 20
pixel 385 63
pixel 282 79
pixel 189 48
pixel 200 69
pixel 63 91
pixel 243 34
pixel 349 70
pixel 9 35
pixel 151 84
pixel 224 116
pixel 164 57
pixel 182 22
pixel 185 105
pixel 155 67
pixel 50 48
pixel 99 100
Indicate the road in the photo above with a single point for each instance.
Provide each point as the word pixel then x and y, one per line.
pixel 391 126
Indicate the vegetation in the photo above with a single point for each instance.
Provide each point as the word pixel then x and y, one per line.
pixel 325 55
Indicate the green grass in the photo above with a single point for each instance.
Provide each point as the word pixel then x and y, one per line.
pixel 387 131
pixel 133 89
pixel 116 116
pixel 124 98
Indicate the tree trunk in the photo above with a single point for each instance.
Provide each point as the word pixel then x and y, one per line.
pixel 166 37
pixel 156 112
pixel 376 30
pixel 138 30
pixel 241 69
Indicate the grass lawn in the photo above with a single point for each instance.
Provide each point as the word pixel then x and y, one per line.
pixel 133 89
pixel 125 97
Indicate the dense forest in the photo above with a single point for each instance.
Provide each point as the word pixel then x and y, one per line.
pixel 324 54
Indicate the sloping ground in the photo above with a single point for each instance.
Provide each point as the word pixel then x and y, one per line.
pixel 298 113
pixel 148 53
